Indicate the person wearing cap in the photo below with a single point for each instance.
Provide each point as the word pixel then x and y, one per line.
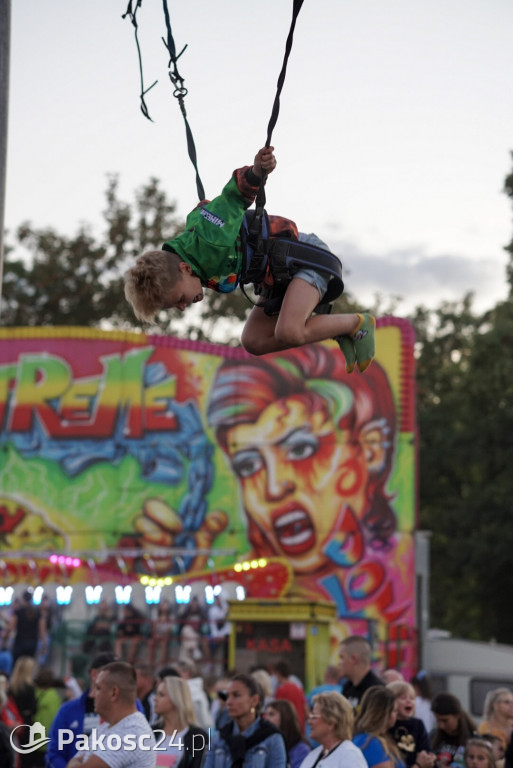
pixel 78 716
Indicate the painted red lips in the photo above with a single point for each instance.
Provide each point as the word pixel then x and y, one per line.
pixel 294 532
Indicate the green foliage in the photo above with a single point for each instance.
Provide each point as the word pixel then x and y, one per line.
pixel 51 279
pixel 465 418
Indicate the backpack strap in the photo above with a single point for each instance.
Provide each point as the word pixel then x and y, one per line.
pixel 254 240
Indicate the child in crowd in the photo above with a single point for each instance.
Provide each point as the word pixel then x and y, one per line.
pixel 208 254
pixel 479 754
pixel 408 731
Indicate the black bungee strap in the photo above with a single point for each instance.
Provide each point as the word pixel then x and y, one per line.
pixel 260 199
pixel 179 93
pixel 179 90
pixel 256 224
pixel 132 14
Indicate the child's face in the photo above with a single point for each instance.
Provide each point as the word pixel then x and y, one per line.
pixel 476 757
pixel 186 291
pixel 405 706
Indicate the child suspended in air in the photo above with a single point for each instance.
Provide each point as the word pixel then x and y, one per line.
pixel 209 254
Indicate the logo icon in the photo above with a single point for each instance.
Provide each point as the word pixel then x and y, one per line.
pixel 37 737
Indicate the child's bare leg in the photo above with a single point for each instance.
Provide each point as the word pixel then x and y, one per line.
pixel 294 326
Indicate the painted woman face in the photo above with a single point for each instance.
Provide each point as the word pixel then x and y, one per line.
pixel 299 476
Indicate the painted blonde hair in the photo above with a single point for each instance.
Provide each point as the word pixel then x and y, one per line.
pixel 149 281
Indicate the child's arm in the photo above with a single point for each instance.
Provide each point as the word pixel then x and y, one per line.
pixel 264 161
pixel 248 178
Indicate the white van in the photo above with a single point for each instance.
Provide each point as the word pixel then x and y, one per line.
pixel 468 670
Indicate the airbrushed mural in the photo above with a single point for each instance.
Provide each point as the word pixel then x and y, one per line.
pixel 120 442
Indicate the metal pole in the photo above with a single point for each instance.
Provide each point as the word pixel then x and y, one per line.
pixel 422 568
pixel 5 38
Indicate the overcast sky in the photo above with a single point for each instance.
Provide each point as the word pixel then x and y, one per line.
pixel 393 140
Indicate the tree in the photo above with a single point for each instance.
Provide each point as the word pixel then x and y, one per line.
pixel 51 279
pixel 508 190
pixel 465 418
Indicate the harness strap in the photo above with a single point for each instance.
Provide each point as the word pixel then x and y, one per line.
pixel 281 78
pixel 179 93
pixel 260 198
pixel 289 256
pixel 283 259
pixel 132 14
pixel 179 90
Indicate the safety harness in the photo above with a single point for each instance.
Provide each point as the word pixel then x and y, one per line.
pixel 270 263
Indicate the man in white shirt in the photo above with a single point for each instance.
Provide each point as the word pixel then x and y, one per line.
pixel 125 739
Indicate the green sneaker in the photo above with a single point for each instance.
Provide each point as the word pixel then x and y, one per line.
pixel 346 345
pixel 364 341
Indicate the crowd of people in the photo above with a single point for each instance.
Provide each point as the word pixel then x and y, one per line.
pixel 262 718
pixel 194 631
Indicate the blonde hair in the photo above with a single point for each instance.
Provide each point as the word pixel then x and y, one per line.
pixel 335 709
pixel 22 673
pixel 264 679
pixel 149 281
pixel 376 707
pixel 491 701
pixel 180 694
pixel 400 687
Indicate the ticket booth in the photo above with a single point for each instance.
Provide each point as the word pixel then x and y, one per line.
pixel 265 631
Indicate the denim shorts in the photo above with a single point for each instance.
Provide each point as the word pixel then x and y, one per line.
pixel 317 278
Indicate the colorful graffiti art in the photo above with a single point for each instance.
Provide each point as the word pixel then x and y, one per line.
pixel 127 442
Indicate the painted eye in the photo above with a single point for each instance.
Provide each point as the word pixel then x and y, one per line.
pixel 247 463
pixel 301 446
